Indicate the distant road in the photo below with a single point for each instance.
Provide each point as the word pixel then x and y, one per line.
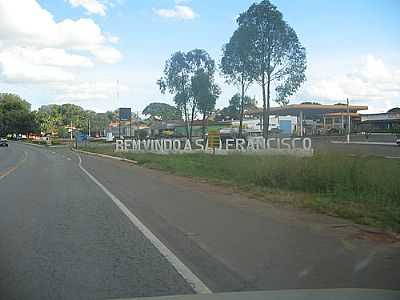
pixel 64 236
pixel 379 145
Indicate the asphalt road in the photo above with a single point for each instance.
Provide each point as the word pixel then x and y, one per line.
pixel 63 237
pixel 324 144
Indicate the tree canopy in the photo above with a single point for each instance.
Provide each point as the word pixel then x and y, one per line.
pixel 54 119
pixel 180 72
pixel 162 111
pixel 233 110
pixel 237 65
pixel 278 56
pixel 15 115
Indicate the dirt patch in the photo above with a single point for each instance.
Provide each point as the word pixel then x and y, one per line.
pixel 376 236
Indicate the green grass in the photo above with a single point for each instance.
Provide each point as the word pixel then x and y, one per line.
pixel 365 190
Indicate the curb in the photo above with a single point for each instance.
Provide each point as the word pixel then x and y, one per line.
pixel 45 146
pixel 365 143
pixel 36 145
pixel 106 156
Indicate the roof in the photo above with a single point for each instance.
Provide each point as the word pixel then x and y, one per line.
pixel 380 117
pixel 314 109
pixel 339 114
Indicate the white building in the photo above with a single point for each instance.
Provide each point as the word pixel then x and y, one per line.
pixel 286 124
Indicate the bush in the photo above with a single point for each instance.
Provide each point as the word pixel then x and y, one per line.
pixel 55 142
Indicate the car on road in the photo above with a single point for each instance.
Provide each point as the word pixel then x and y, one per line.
pixel 3 142
pixel 398 140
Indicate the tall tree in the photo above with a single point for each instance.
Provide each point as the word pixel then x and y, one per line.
pixel 205 94
pixel 176 80
pixel 75 114
pixel 279 58
pixel 49 118
pixel 200 62
pixel 15 115
pixel 162 111
pixel 178 73
pixel 237 65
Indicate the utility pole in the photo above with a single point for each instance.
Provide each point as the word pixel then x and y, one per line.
pixel 119 117
pixel 89 127
pixel 119 127
pixel 130 126
pixel 71 130
pixel 349 122
pixel 301 124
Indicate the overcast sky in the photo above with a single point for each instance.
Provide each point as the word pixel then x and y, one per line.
pixel 55 51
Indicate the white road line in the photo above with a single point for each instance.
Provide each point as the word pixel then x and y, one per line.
pixel 365 143
pixel 195 282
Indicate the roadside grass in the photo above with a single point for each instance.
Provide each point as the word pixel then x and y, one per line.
pixel 363 189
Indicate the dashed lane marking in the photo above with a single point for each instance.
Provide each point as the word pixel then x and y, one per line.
pixel 8 171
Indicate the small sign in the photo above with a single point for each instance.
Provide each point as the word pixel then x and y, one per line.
pixel 125 114
pixel 213 139
pixel 81 137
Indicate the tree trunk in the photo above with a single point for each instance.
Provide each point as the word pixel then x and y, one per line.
pixel 204 127
pixel 265 117
pixel 191 122
pixel 186 122
pixel 241 112
pixel 186 112
pixel 268 102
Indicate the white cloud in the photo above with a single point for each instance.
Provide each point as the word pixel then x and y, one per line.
pixel 89 90
pixel 35 48
pixel 25 23
pixel 91 6
pixel 30 64
pixel 182 12
pixel 14 71
pixel 44 56
pixel 369 81
pixel 107 55
pixel 112 39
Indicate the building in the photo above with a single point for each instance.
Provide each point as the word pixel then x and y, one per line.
pixel 127 128
pixel 177 128
pixel 383 122
pixel 314 119
pixel 286 125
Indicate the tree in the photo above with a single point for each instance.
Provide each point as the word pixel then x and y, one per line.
pixel 15 115
pixel 233 110
pixel 178 73
pixel 237 66
pixel 205 94
pixel 277 55
pixel 162 111
pixel 94 123
pixel 201 64
pixel 49 118
pixel 74 114
pixel 177 81
pixel 111 116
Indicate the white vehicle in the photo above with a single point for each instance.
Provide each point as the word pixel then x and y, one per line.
pixel 3 142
